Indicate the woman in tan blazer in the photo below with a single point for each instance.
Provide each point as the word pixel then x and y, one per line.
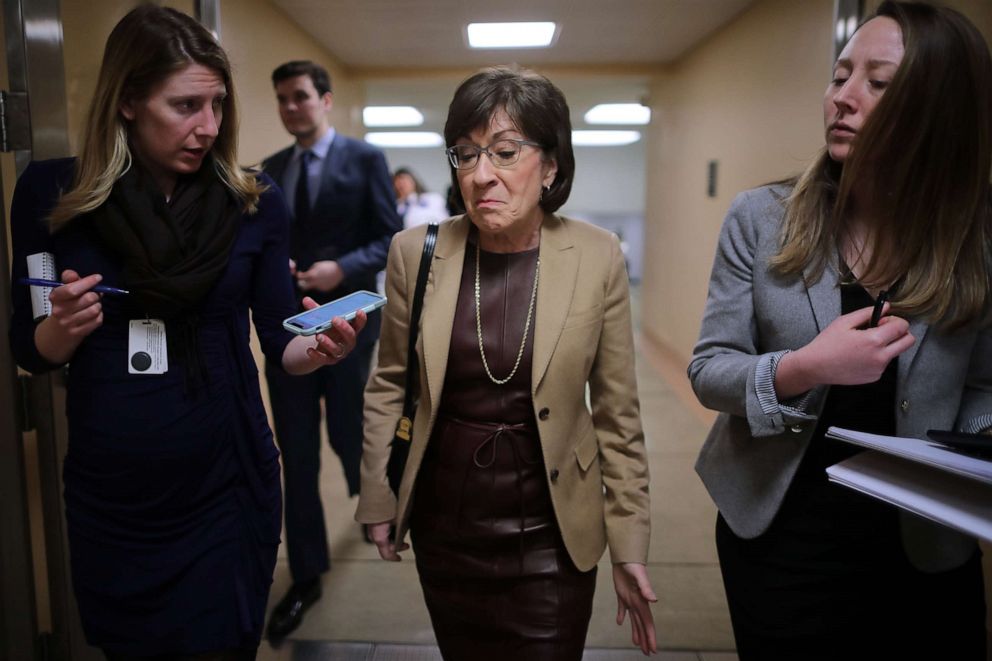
pixel 514 486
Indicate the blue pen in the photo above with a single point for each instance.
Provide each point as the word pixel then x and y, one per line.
pixel 38 282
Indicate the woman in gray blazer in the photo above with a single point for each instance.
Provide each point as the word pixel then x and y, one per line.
pixel 899 200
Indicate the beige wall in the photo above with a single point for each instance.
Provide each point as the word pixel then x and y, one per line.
pixel 257 37
pixel 749 98
pixel 85 26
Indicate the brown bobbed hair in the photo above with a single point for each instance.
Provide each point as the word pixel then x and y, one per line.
pixel 920 167
pixel 535 106
pixel 147 46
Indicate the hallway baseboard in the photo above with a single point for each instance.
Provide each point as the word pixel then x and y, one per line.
pixel 671 366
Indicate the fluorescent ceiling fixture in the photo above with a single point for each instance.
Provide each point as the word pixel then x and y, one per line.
pixel 404 139
pixel 604 138
pixel 618 113
pixel 392 116
pixel 511 35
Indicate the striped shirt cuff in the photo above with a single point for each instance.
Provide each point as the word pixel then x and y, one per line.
pixel 978 425
pixel 764 387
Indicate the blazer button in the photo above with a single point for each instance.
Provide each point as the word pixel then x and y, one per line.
pixel 544 413
pixel 904 405
pixel 554 474
pixel 795 429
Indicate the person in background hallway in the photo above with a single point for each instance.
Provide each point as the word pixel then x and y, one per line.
pixel 344 216
pixel 171 478
pixel 415 204
pixel 513 488
pixel 898 200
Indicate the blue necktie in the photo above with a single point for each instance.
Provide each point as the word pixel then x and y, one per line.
pixel 301 202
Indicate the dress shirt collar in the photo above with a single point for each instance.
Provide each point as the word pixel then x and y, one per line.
pixel 319 148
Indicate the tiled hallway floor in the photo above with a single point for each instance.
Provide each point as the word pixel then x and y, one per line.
pixel 366 599
pixel 318 651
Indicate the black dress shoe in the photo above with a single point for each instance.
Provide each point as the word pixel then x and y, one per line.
pixel 288 613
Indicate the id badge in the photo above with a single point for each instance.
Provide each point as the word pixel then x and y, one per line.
pixel 146 347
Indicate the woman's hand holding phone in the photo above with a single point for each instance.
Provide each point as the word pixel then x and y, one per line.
pixel 305 354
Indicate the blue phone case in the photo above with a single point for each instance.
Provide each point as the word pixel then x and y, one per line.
pixel 324 324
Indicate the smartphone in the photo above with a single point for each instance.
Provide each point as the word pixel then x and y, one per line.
pixel 319 319
pixel 975 444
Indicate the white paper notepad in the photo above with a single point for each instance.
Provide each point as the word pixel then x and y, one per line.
pixel 41 265
pixel 956 502
pixel 928 453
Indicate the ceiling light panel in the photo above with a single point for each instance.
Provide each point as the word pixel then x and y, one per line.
pixel 404 139
pixel 376 116
pixel 604 138
pixel 511 35
pixel 618 113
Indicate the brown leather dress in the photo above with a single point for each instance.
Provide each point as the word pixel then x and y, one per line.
pixel 498 581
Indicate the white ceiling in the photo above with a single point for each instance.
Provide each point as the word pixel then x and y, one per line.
pixel 430 34
pixel 432 95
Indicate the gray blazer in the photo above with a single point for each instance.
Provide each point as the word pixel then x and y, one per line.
pixel 753 316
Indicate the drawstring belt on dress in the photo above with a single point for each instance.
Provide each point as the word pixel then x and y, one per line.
pixel 490 446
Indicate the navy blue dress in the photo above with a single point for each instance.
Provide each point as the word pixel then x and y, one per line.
pixel 172 493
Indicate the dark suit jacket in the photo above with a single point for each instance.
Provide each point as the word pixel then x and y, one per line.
pixel 353 219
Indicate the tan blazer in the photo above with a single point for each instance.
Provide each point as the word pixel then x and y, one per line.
pixel 596 464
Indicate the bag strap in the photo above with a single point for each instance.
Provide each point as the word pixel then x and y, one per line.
pixel 404 428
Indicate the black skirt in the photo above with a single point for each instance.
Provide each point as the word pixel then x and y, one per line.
pixel 498 581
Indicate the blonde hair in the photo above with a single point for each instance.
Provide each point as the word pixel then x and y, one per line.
pixel 921 165
pixel 147 46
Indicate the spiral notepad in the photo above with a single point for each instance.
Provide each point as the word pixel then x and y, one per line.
pixel 41 265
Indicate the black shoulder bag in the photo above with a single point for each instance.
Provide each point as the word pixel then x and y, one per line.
pixel 400 447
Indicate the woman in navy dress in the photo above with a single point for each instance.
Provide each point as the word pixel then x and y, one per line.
pixel 171 478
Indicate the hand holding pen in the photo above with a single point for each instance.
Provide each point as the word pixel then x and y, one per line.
pixel 853 349
pixel 876 313
pixel 77 311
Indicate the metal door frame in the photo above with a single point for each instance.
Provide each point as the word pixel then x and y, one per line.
pixel 847 18
pixel 36 72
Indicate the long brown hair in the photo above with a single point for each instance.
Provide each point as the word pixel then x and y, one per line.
pixel 147 46
pixel 922 162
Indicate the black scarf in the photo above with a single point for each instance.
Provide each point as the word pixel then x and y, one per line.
pixel 173 252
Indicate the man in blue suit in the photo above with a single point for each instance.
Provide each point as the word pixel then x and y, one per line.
pixel 344 216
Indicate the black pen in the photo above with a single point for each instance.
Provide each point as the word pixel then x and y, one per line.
pixel 38 282
pixel 876 313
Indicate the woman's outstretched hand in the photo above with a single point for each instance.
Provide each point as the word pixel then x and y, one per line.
pixel 305 354
pixel 635 596
pixel 388 550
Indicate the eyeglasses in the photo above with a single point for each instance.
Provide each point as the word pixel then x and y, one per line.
pixel 502 153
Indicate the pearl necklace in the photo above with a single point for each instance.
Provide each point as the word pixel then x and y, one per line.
pixel 478 321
